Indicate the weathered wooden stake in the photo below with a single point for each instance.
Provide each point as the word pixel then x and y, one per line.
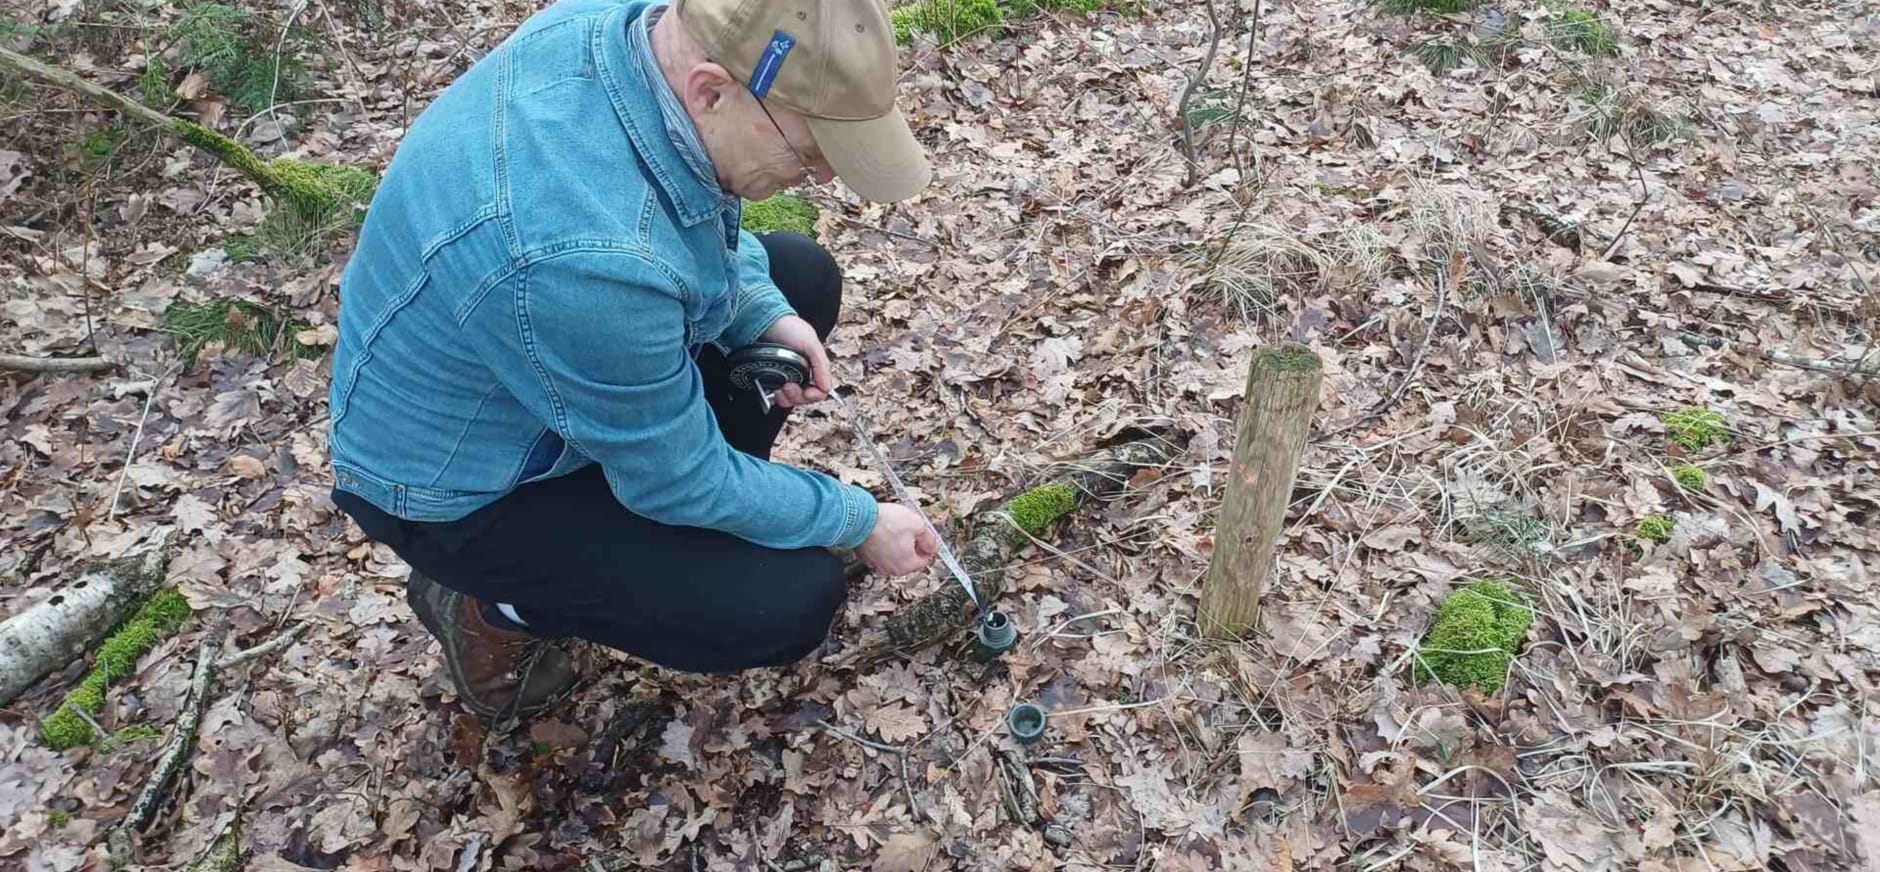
pixel 1282 393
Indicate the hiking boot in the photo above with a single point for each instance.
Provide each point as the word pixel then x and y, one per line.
pixel 496 672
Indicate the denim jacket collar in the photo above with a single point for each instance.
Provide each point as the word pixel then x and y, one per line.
pixel 624 72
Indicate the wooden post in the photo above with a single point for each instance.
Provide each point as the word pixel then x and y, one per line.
pixel 1282 393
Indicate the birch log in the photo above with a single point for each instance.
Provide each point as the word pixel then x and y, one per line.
pixel 62 627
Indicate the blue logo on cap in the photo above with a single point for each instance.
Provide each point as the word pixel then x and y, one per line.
pixel 771 62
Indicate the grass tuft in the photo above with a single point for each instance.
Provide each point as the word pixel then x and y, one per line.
pixel 1696 429
pixel 780 213
pixel 236 324
pixel 1438 7
pixel 1476 632
pixel 1581 30
pixel 947 20
pixel 160 616
pixel 1690 477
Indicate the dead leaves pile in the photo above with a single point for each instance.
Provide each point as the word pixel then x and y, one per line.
pixel 1492 400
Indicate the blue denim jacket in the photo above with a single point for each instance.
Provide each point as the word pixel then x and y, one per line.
pixel 534 275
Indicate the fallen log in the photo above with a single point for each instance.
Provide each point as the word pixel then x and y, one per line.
pixel 27 363
pixel 57 630
pixel 998 532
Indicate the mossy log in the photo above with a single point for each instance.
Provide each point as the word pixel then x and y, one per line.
pixel 312 190
pixel 55 631
pixel 999 532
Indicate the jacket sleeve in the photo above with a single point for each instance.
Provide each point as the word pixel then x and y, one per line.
pixel 760 303
pixel 594 344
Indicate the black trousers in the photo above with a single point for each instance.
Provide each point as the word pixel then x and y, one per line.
pixel 575 563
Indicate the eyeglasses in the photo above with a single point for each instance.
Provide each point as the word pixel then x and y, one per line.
pixel 809 175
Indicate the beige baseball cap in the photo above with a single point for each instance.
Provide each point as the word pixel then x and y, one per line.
pixel 831 61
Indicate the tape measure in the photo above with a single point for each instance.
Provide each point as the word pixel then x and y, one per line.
pixel 765 368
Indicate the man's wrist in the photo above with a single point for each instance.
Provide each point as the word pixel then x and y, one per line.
pixel 859 513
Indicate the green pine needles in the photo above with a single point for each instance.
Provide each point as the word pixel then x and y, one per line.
pixel 1477 631
pixel 240 55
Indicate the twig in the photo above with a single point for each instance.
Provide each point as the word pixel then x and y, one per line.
pixel 1246 85
pixel 170 762
pixel 1644 197
pixel 907 784
pixel 262 650
pixel 1188 92
pixel 891 749
pixel 1444 278
pixel 28 363
pixel 1821 364
pixel 150 397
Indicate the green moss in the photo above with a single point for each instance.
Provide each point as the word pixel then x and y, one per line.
pixel 58 817
pixel 1690 476
pixel 1655 528
pixel 780 213
pixel 1476 632
pixel 1288 359
pixel 1035 509
pixel 947 20
pixel 160 616
pixel 1696 428
pixel 1582 30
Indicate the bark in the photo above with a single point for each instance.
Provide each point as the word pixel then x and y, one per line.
pixel 938 615
pixel 28 363
pixel 61 628
pixel 1282 393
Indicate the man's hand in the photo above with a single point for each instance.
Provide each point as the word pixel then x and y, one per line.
pixel 901 543
pixel 795 333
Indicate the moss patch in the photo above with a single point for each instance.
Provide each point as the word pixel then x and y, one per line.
pixel 160 616
pixel 1655 528
pixel 316 192
pixel 780 213
pixel 1288 360
pixel 1476 632
pixel 1696 429
pixel 1690 476
pixel 1035 509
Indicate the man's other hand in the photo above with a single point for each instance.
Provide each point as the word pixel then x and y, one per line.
pixel 901 543
pixel 795 333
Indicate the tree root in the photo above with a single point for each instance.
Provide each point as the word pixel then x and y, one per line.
pixel 996 533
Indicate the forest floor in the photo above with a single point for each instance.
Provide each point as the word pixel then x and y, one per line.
pixel 1512 271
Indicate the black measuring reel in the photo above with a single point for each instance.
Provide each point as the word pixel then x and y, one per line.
pixel 765 367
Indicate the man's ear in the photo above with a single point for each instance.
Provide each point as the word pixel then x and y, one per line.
pixel 708 87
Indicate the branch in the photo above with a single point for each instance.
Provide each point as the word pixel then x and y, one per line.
pixel 27 363
pixel 71 82
pixel 170 762
pixel 1865 366
pixel 1188 93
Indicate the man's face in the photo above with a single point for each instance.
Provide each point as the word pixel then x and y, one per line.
pixel 754 157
